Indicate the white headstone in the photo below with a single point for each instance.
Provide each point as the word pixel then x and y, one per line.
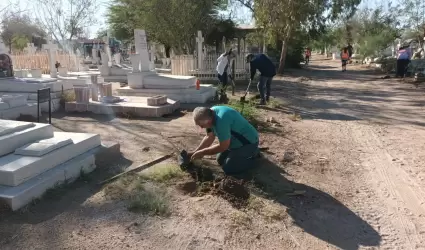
pixel 135 62
pixel 141 45
pixel 107 50
pixel 199 41
pixel 30 49
pixel 117 58
pixel 3 49
pixel 51 50
pixel 152 55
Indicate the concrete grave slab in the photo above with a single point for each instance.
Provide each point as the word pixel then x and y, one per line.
pixel 14 113
pixel 4 106
pixel 16 169
pixel 43 147
pixel 134 106
pixel 190 95
pixel 35 131
pixel 8 127
pixel 14 100
pixel 19 196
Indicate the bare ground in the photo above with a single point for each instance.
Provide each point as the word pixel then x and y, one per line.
pixel 357 152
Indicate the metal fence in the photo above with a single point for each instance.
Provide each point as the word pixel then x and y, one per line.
pixel 188 65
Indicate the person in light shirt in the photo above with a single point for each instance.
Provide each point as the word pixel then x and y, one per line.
pixel 223 67
pixel 403 59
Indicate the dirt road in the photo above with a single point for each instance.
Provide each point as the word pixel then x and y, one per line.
pixel 371 133
pixel 358 153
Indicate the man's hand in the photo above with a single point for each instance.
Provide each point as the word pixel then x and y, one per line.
pixel 197 155
pixel 189 154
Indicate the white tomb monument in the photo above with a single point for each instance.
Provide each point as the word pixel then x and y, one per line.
pixel 51 50
pixel 30 49
pixel 144 82
pixel 199 41
pixel 152 52
pixel 15 88
pixel 34 158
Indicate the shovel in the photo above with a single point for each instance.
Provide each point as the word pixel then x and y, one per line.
pixel 242 99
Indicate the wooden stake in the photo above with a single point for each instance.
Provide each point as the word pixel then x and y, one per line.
pixel 139 168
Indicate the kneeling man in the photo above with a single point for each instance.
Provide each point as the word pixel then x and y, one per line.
pixel 238 139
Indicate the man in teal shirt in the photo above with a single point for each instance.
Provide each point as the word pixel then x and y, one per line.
pixel 238 139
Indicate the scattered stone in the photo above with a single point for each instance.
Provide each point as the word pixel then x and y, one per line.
pixel 146 149
pixel 323 160
pixel 271 120
pixel 289 156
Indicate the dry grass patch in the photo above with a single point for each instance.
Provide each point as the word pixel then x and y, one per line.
pixel 163 173
pixel 295 117
pixel 150 199
pixel 140 195
pixel 240 219
pixel 269 210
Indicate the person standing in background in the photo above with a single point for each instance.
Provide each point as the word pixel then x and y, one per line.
pixel 307 55
pixel 345 56
pixel 403 60
pixel 267 69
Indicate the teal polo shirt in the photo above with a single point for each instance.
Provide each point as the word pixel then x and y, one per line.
pixel 230 124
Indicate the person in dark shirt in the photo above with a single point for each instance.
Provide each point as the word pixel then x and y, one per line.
pixel 267 69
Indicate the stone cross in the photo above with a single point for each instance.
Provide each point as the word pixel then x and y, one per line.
pixel 51 50
pixel 199 41
pixel 141 45
pixel 107 50
pixel 152 54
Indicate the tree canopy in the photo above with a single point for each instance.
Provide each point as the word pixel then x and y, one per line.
pixel 369 30
pixel 66 19
pixel 281 18
pixel 18 30
pixel 173 23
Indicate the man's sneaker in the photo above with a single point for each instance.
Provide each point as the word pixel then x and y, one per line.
pixel 262 102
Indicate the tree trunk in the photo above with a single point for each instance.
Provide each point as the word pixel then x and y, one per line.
pixel 283 56
pixel 167 51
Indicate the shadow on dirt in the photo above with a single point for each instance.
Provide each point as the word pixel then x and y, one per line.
pixel 316 212
pixel 62 198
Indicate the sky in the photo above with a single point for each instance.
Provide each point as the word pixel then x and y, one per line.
pixel 101 13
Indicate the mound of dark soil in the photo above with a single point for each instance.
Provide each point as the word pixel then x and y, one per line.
pixel 205 182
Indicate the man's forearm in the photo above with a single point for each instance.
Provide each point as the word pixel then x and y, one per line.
pixel 206 142
pixel 253 71
pixel 214 149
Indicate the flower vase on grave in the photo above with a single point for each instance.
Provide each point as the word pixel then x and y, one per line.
pixel 82 94
pixel 106 90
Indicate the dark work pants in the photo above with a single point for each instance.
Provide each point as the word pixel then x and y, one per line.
pixel 223 79
pixel 264 87
pixel 235 161
pixel 402 67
